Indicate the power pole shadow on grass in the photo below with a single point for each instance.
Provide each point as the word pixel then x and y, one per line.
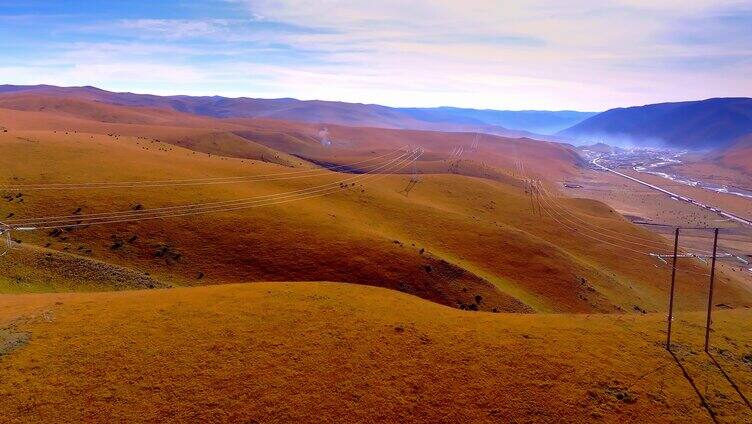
pixel 731 381
pixel 691 381
pixel 708 327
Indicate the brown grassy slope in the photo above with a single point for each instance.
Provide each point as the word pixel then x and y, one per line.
pixel 322 352
pixel 31 265
pixel 253 138
pixel 277 243
pixel 738 156
pixel 483 242
pixel 542 158
pixel 479 237
pixel 196 133
pixel 91 110
pixel 314 111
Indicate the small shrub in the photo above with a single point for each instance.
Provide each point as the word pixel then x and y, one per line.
pixel 747 358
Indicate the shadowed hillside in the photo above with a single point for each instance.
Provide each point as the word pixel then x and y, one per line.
pixel 697 125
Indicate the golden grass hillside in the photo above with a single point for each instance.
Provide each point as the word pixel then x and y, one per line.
pixel 460 241
pixel 142 320
pixel 242 137
pixel 325 352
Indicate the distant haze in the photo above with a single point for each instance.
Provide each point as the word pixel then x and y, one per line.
pixel 699 125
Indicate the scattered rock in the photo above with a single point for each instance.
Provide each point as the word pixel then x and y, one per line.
pixel 622 394
pixel 747 359
pixel 10 340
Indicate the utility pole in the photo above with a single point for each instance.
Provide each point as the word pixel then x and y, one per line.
pixel 710 294
pixel 673 285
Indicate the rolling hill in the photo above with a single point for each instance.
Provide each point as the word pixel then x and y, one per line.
pixel 508 123
pixel 266 139
pixel 470 187
pixel 695 125
pixel 172 267
pixel 327 352
pixel 737 156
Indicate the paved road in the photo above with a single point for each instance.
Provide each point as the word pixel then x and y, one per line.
pixel 720 212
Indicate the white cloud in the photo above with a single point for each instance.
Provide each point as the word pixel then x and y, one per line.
pixel 593 54
pixel 583 54
pixel 174 29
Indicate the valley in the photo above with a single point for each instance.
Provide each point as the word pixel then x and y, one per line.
pixel 425 212
pixel 221 234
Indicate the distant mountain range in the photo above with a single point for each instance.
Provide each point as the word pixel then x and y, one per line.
pixel 712 124
pixel 697 125
pixel 507 123
pixel 536 121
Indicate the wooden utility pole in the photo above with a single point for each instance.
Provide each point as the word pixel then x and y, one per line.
pixel 673 285
pixel 710 294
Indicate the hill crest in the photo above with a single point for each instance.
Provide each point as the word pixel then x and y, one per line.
pixel 499 122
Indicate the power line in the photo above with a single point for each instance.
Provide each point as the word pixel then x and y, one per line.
pixel 632 258
pixel 195 181
pixel 78 217
pixel 621 236
pixel 548 208
pixel 245 204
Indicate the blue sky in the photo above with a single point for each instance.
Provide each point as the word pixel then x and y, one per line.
pixel 536 54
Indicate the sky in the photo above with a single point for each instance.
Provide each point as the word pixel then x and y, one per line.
pixel 503 54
